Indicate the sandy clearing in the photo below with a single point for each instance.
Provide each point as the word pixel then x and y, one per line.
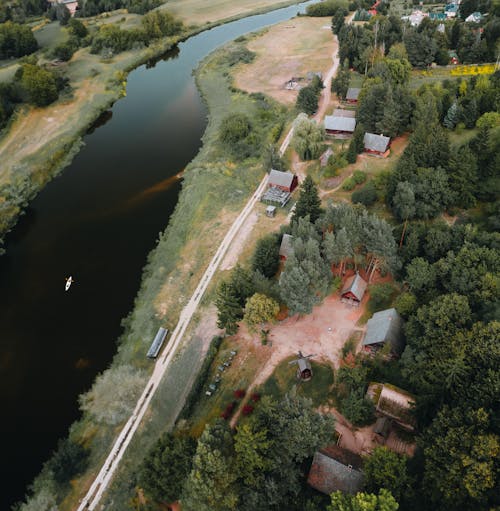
pixel 291 48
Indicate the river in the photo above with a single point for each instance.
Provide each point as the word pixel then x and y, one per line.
pixel 97 221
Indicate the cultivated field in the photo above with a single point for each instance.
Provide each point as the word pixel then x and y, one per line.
pixel 200 12
pixel 286 50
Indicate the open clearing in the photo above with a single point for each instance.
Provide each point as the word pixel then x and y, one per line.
pixel 199 12
pixel 286 50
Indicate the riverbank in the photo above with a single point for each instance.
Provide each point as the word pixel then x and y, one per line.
pixel 214 189
pixel 54 134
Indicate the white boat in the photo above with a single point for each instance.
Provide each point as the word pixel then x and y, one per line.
pixel 69 281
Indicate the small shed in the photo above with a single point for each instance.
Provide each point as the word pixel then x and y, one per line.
pixel 352 95
pixel 271 211
pixel 285 181
pixel 385 327
pixel 304 369
pixel 336 469
pixel 394 403
pixel 376 144
pixel 354 289
pixel 286 248
pixel 339 126
pixel 323 159
pixel 157 342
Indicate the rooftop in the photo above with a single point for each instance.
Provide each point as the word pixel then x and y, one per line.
pixel 286 248
pixel 356 285
pixel 378 143
pixel 333 123
pixel 335 469
pixel 279 178
pixel 384 326
pixel 352 93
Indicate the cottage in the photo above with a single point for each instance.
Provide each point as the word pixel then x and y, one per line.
pixel 377 145
pixel 393 403
pixel 285 181
pixel 323 159
pixel 352 95
pixel 286 248
pixel 336 469
pixel 340 127
pixel 384 327
pixel 271 211
pixel 353 290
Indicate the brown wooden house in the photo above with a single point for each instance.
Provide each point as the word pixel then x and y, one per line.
pixel 285 181
pixel 354 290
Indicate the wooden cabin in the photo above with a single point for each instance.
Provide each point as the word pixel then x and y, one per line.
pixel 377 145
pixel 352 95
pixel 353 290
pixel 285 181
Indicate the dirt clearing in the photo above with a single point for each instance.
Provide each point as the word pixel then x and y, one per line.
pixel 289 49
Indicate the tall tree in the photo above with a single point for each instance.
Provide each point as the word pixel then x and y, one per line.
pixel 340 83
pixel 211 483
pixel 265 259
pixel 260 309
pixel 384 501
pixel 308 203
pixel 308 137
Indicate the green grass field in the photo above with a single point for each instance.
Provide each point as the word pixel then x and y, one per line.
pixel 284 380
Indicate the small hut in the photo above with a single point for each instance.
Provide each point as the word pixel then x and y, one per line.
pixel 353 290
pixel 271 211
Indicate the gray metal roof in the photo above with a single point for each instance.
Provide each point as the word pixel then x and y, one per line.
pixel 356 285
pixel 286 248
pixel 279 178
pixel 328 475
pixel 333 123
pixel 157 342
pixel 377 143
pixel 304 364
pixel 352 93
pixel 342 112
pixel 385 326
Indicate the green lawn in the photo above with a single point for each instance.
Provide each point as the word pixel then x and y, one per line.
pixel 284 379
pixel 51 35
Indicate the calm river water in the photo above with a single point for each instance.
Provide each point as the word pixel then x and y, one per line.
pixel 96 222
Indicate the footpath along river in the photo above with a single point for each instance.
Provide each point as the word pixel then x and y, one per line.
pixel 96 222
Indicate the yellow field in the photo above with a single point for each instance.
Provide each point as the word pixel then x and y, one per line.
pixel 289 49
pixel 200 12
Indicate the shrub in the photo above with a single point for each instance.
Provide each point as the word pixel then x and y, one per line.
pixel 63 51
pixel 247 410
pixel 366 195
pixel 326 8
pixel 234 128
pixel 359 176
pixel 238 55
pixel 255 397
pixel 380 296
pixel 349 184
pixel 239 394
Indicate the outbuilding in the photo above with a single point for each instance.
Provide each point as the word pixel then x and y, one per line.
pixel 339 127
pixel 271 211
pixel 285 181
pixel 382 328
pixel 352 95
pixel 377 145
pixel 286 248
pixel 353 290
pixel 336 469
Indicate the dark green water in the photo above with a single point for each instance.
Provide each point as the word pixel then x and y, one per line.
pixel 96 222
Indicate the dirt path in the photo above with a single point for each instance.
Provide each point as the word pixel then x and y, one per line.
pixel 322 333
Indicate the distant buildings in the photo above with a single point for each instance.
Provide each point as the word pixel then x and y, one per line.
pixel 72 5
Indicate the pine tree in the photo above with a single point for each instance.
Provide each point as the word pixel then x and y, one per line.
pixel 452 117
pixel 309 202
pixel 340 84
pixel 389 124
pixel 229 310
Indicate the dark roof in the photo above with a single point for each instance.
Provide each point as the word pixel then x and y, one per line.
pixel 342 112
pixel 385 326
pixel 377 143
pixel 352 93
pixel 356 285
pixel 333 123
pixel 157 342
pixel 279 178
pixel 286 248
pixel 304 364
pixel 382 426
pixel 335 469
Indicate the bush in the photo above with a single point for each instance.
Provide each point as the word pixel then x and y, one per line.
pixel 366 195
pixel 406 304
pixel 349 184
pixel 238 55
pixel 69 459
pixel 234 128
pixel 247 410
pixel 239 394
pixel 359 177
pixel 16 40
pixel 63 51
pixel 380 296
pixel 266 258
pixel 307 99
pixel 39 85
